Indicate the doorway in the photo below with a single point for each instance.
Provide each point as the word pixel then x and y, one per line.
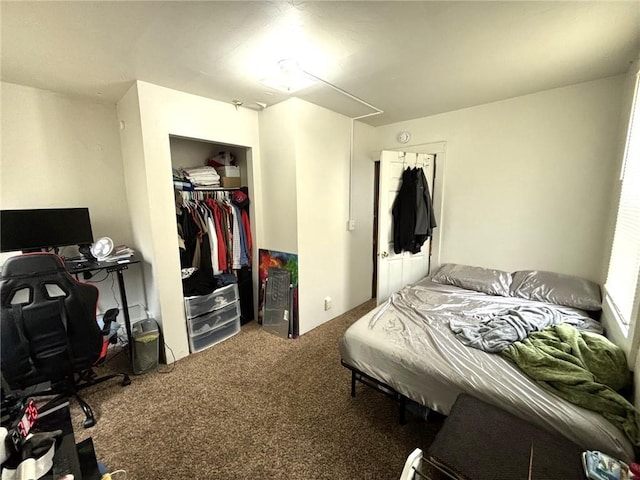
pixel 376 195
pixel 393 271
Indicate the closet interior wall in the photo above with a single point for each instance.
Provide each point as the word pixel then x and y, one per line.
pixel 189 153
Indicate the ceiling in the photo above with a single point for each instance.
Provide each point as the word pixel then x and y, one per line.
pixel 410 59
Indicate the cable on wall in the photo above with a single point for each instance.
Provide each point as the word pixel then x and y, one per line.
pixel 376 111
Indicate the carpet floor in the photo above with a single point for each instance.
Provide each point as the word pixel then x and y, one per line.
pixel 252 407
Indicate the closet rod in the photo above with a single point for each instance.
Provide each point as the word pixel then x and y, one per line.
pixel 202 194
pixel 215 189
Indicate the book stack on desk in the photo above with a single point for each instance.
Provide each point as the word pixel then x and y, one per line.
pixel 121 252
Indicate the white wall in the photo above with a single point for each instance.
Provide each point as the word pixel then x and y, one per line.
pixel 322 150
pixel 62 151
pixel 305 183
pixel 500 157
pixel 359 244
pixel 527 179
pixel 146 152
pixel 128 112
pixel 278 200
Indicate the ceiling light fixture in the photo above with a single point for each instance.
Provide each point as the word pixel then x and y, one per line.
pixel 291 77
pixel 288 77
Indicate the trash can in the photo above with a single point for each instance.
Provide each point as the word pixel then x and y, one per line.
pixel 146 346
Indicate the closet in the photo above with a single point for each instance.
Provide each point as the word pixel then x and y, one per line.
pixel 216 241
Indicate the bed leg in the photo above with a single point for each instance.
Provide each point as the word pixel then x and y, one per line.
pixel 402 407
pixel 353 383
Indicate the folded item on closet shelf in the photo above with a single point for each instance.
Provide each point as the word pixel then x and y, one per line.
pixel 202 177
pixel 203 169
pixel 178 173
pixel 182 185
pixel 212 174
pixel 209 171
pixel 204 181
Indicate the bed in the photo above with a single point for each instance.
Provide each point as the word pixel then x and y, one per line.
pixel 406 345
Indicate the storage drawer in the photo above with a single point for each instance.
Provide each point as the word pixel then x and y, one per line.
pixel 196 306
pixel 214 319
pixel 217 335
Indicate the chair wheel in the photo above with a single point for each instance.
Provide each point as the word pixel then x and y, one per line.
pixel 89 422
pixel 126 381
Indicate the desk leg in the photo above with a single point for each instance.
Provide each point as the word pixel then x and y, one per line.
pixel 125 308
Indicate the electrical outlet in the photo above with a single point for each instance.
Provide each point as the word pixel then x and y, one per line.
pixel 328 303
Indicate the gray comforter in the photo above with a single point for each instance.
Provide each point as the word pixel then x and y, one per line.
pixel 497 332
pixel 408 344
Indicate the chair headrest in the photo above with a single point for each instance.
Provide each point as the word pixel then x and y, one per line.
pixel 31 264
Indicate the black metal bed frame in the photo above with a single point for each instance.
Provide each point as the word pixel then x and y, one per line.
pixel 374 383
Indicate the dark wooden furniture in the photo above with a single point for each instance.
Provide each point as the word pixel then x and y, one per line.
pixel 80 459
pixel 481 442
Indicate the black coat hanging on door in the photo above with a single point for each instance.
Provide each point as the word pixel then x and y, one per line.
pixel 413 218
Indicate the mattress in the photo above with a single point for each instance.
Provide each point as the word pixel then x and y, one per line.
pixel 406 343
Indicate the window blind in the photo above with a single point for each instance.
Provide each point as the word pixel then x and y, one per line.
pixel 622 283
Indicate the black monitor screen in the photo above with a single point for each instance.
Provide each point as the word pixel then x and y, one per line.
pixel 29 230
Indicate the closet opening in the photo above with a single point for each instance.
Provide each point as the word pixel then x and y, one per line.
pixel 215 224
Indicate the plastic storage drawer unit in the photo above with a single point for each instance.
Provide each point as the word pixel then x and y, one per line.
pixel 214 336
pixel 196 306
pixel 212 320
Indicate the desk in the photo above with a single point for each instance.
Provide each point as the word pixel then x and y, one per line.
pixel 80 459
pixel 482 442
pixel 77 267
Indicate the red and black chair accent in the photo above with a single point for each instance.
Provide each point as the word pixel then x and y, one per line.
pixel 49 331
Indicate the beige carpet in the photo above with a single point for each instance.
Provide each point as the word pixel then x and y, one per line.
pixel 253 407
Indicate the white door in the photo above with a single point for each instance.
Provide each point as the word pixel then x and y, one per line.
pixel 397 270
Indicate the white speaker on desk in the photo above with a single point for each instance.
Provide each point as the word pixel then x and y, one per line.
pixel 102 248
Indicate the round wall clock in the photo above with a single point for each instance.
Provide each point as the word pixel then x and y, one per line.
pixel 404 137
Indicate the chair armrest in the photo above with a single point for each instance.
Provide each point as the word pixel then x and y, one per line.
pixel 109 317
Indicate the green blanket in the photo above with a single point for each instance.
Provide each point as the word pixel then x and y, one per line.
pixel 584 368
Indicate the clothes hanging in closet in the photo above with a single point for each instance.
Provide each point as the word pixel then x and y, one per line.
pixel 214 231
pixel 413 218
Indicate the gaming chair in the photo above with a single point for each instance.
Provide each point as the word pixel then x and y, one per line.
pixel 49 332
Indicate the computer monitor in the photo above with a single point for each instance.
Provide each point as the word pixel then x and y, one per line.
pixel 37 229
